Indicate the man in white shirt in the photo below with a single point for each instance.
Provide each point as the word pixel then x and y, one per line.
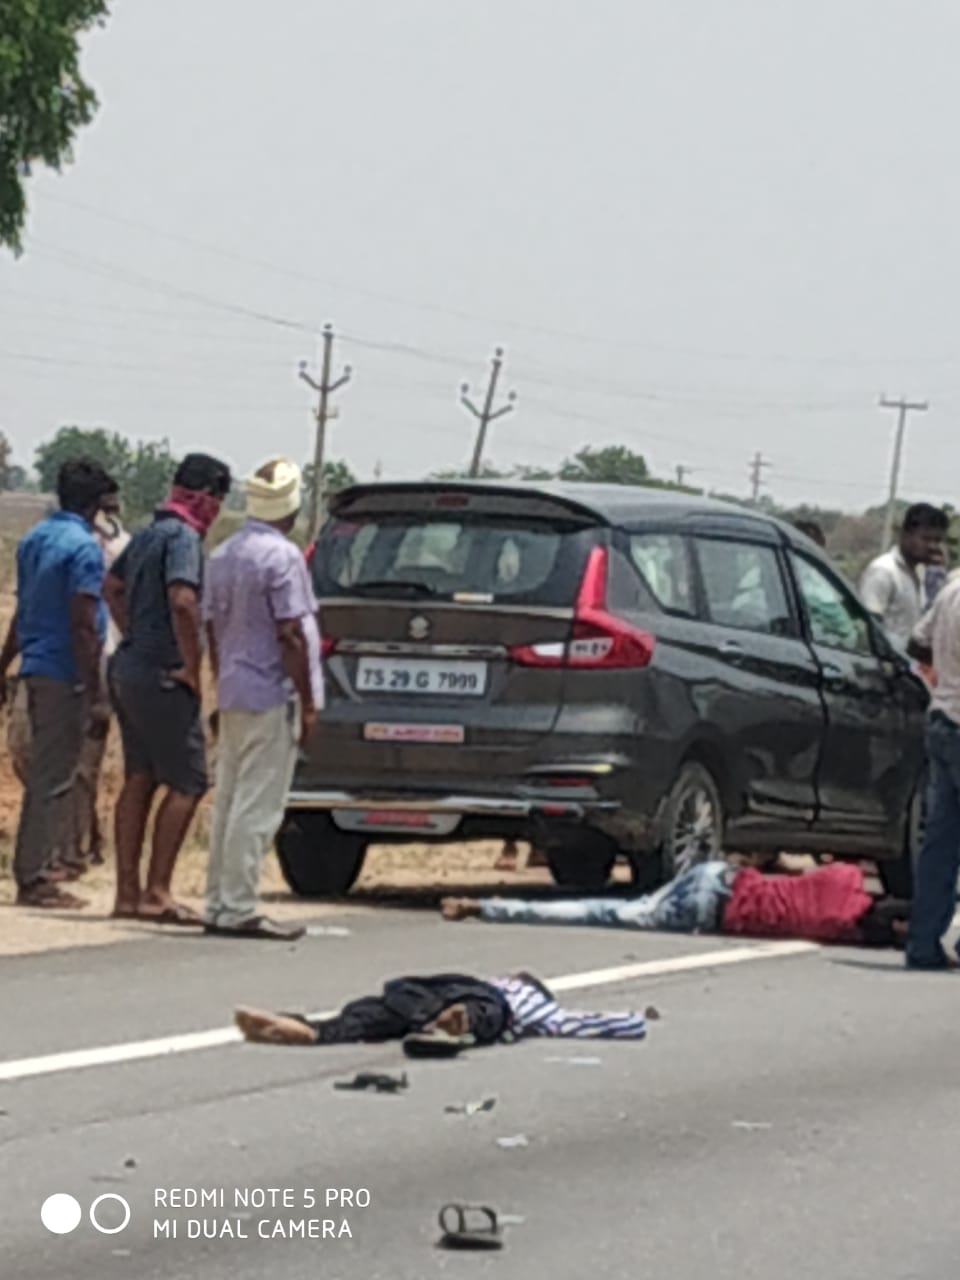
pixel 112 538
pixel 936 643
pixel 892 588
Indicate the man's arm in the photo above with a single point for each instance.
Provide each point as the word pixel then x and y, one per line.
pixel 296 664
pixel 86 642
pixel 10 652
pixel 115 595
pixel 184 603
pixel 213 652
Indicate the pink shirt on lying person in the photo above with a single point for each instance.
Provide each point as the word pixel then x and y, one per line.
pixel 824 905
pixel 255 580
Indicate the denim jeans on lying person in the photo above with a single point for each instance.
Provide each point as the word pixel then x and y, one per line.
pixel 689 904
pixel 935 887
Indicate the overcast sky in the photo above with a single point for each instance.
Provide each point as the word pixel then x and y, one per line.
pixel 698 228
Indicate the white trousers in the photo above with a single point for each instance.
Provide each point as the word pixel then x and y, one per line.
pixel 256 757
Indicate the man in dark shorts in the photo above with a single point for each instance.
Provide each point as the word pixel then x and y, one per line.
pixel 153 590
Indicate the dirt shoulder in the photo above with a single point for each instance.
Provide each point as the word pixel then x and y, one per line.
pixel 416 875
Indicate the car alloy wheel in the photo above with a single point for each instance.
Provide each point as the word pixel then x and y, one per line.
pixel 694 828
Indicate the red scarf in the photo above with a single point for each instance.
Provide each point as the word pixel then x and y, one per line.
pixel 197 509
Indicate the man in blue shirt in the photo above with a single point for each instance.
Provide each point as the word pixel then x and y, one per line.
pixel 153 590
pixel 58 632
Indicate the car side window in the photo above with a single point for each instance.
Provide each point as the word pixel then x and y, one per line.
pixel 744 587
pixel 834 617
pixel 663 560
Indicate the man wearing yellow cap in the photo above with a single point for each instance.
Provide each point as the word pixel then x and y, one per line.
pixel 260 612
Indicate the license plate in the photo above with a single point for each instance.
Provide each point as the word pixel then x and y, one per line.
pixel 446 734
pixel 426 676
pixel 396 821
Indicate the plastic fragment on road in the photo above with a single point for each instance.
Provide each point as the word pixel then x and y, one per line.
pixel 751 1126
pixel 470 1108
pixel 469 1226
pixel 517 1140
pixel 578 1062
pixel 328 931
pixel 374 1082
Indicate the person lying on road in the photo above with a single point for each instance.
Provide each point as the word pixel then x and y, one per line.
pixel 828 904
pixel 447 1006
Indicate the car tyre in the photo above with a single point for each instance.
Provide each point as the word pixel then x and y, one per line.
pixel 582 861
pixel 897 876
pixel 692 823
pixel 316 858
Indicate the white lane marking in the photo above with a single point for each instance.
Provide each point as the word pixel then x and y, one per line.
pixel 678 964
pixel 137 1050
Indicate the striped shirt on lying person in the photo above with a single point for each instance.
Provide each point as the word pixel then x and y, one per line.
pixel 535 1012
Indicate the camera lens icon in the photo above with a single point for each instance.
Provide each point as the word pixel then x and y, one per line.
pixel 62 1213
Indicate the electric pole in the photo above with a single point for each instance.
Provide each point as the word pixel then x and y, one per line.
pixel 757 467
pixel 903 407
pixel 487 414
pixel 324 389
pixel 682 473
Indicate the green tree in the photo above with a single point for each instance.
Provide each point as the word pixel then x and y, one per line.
pixel 44 100
pixel 336 476
pixel 487 472
pixel 147 477
pixel 143 470
pixel 613 464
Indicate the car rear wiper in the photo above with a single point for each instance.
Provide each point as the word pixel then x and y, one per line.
pixel 386 585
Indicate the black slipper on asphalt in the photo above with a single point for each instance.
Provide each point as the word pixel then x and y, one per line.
pixel 435 1044
pixel 257 927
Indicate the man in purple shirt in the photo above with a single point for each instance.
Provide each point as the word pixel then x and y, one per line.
pixel 260 612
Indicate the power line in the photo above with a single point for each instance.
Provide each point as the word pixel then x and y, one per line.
pixel 300 274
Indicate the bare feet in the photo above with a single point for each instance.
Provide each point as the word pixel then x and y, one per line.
pixel 273 1028
pixel 459 908
pixel 454 1021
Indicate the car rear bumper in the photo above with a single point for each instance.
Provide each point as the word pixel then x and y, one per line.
pixel 455 805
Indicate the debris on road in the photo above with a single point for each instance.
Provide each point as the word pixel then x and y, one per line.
pixel 518 1140
pixel 374 1081
pixel 751 1126
pixel 470 1108
pixel 652 1013
pixel 459 1233
pixel 579 1062
pixel 130 1162
pixel 328 931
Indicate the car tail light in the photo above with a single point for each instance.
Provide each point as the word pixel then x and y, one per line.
pixel 328 646
pixel 599 640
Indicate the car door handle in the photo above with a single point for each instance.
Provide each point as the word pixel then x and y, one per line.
pixel 835 679
pixel 732 651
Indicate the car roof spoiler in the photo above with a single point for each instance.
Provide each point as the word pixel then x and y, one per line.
pixel 531 502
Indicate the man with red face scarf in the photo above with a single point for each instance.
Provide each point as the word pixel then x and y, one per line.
pixel 153 591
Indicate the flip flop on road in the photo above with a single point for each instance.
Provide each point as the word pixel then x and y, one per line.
pixel 177 914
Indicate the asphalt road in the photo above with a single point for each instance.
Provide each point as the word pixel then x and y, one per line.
pixel 790 1115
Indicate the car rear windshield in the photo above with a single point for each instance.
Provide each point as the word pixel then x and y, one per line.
pixel 484 557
